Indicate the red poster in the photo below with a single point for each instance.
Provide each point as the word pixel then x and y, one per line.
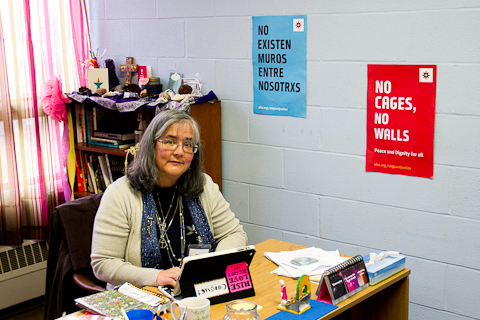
pixel 401 119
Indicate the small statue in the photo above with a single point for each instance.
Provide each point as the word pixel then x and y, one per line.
pixel 101 91
pixel 142 123
pixel 283 292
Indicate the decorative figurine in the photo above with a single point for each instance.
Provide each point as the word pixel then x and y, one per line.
pixel 142 123
pixel 301 302
pixel 129 68
pixel 283 293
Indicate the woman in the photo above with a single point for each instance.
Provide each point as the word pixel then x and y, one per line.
pixel 147 219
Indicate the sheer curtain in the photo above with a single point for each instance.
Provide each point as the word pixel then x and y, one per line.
pixel 39 39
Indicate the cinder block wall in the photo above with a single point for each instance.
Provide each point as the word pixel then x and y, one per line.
pixel 304 180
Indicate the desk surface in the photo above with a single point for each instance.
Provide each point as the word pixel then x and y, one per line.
pixel 267 287
pixel 391 305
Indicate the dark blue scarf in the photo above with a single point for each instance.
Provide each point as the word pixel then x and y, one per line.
pixel 151 257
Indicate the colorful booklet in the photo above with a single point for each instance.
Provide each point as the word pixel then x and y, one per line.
pixel 130 297
pixel 342 281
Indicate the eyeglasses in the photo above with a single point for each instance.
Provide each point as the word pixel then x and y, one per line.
pixel 172 144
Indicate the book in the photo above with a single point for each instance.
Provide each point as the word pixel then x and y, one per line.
pixel 114 135
pixel 342 281
pixel 78 122
pixel 80 174
pixel 143 72
pixel 87 126
pixel 174 81
pixel 385 268
pixel 92 177
pixel 103 167
pixel 117 166
pixel 98 174
pixel 88 179
pixel 109 168
pixel 118 146
pixel 90 125
pixel 111 141
pixel 130 297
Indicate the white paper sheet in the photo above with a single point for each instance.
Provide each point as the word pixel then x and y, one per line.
pixel 309 261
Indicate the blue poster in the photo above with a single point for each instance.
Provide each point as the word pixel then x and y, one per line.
pixel 279 59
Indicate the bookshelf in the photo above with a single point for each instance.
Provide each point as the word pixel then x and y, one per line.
pixel 208 116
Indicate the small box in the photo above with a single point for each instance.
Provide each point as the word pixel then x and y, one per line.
pixel 383 269
pixel 153 86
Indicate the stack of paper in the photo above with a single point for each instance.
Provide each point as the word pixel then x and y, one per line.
pixel 309 261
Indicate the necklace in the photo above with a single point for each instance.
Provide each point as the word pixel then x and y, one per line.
pixel 162 223
pixel 163 239
pixel 171 254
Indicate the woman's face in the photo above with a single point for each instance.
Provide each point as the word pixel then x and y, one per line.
pixel 173 163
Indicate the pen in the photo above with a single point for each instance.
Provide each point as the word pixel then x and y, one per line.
pixel 168 295
pixel 124 314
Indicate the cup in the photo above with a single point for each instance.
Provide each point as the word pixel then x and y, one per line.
pixel 196 308
pixel 140 314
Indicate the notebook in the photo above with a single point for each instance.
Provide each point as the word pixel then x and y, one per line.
pixel 218 276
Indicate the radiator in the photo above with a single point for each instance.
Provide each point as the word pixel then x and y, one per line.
pixel 22 272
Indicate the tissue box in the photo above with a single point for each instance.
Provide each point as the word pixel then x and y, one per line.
pixel 387 267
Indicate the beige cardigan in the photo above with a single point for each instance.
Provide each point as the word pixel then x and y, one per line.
pixel 117 236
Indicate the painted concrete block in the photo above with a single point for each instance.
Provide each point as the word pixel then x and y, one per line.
pixel 408 192
pixel 458 90
pixel 126 9
pixel 439 39
pixel 427 276
pixel 323 173
pixel 343 131
pixel 292 132
pixel 158 38
pixel 340 85
pixel 252 164
pixel 360 224
pixel 465 191
pixel 212 38
pixel 462 290
pixel 237 195
pixel 234 80
pixel 114 41
pixel 360 37
pixel 454 140
pixel 185 9
pixel 282 210
pixel 441 238
pixel 235 121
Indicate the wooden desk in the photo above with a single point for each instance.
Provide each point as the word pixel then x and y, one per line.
pixel 386 300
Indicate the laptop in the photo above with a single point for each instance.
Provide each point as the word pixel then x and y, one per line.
pixel 218 276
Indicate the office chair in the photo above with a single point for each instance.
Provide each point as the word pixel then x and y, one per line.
pixel 69 274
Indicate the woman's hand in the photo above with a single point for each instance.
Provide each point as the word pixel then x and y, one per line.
pixel 168 277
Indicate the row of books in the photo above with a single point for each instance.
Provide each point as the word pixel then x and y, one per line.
pixel 86 129
pixel 95 172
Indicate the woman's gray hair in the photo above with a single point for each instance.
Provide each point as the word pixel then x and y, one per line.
pixel 143 171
